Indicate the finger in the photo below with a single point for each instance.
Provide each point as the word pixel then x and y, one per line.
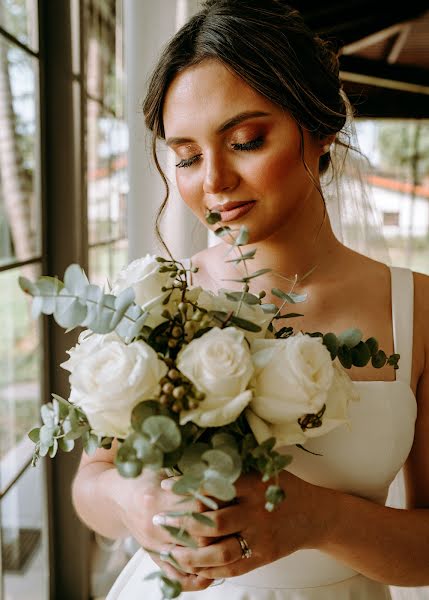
pixel 221 553
pixel 225 521
pixel 189 582
pixel 167 485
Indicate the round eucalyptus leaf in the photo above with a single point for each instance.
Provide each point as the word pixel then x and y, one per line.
pixel 142 411
pixel 163 432
pixel 192 455
pixel 379 359
pixel 34 435
pixel 350 337
pixel 150 455
pixel 345 356
pixel 372 345
pixel 219 461
pixel 361 355
pixel 331 342
pixel 130 468
pixel 54 448
pixel 47 414
pixel 66 445
pixel 236 461
pixel 219 488
pixel 186 484
pixel 46 435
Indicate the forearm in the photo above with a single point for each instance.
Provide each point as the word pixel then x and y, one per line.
pixel 386 544
pixel 97 492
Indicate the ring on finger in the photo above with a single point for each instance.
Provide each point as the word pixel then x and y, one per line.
pixel 246 551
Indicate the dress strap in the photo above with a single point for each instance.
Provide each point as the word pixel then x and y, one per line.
pixel 402 290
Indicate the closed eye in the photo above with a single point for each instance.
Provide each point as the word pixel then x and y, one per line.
pixel 247 146
pixel 252 145
pixel 188 162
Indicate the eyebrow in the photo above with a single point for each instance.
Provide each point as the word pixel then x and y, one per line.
pixel 232 122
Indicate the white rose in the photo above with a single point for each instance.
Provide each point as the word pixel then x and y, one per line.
pixel 219 364
pixel 109 378
pixel 295 377
pixel 144 277
pixel 249 312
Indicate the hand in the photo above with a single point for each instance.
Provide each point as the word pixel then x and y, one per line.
pixel 145 498
pixel 294 525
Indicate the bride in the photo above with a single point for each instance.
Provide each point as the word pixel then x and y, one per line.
pixel 250 102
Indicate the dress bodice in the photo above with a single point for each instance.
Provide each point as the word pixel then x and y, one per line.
pixel 361 458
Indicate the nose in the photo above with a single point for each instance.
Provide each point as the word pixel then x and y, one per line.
pixel 219 175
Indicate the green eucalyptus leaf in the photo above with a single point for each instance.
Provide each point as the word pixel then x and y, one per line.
pixel 163 432
pixel 34 435
pixel 148 453
pixel 361 355
pixel 130 468
pixel 372 345
pixel 243 237
pixel 46 435
pixel 122 304
pixel 213 217
pixel 75 279
pixel 66 445
pixel 192 455
pixel 181 535
pixel 223 231
pixel 245 256
pixel 69 311
pixel 54 448
pixel 257 274
pixel 245 297
pixel 282 295
pixel 145 409
pixel 186 485
pixel 379 359
pixel 220 488
pixel 269 308
pixel 170 588
pixel 91 444
pixel 244 324
pixel 47 414
pixel 297 298
pixel 345 356
pixel 209 502
pixel 27 286
pixel 219 461
pixel 331 342
pixel 203 519
pixel 350 337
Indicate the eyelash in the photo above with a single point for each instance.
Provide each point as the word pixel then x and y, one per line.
pixel 248 146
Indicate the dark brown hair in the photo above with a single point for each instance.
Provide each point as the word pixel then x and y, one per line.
pixel 268 45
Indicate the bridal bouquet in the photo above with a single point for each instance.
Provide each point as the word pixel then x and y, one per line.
pixel 205 385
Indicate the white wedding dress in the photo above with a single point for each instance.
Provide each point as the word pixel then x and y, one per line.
pixel 362 460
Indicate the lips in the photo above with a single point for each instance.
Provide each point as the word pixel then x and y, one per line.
pixel 234 210
pixel 229 206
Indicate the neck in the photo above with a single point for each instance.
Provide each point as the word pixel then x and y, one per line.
pixel 306 242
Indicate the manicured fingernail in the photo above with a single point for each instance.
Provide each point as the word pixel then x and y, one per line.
pixel 167 484
pixel 159 520
pixel 164 555
pixel 216 582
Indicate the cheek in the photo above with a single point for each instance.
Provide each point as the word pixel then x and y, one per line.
pixel 189 188
pixel 276 170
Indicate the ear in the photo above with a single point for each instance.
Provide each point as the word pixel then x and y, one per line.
pixel 325 143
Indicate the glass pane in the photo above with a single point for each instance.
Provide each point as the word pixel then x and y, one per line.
pixel 106 261
pixel 107 144
pixel 20 373
pixel 19 18
pixel 399 153
pixel 25 563
pixel 104 53
pixel 20 230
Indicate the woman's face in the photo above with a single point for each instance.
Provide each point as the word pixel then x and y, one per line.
pixel 237 152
